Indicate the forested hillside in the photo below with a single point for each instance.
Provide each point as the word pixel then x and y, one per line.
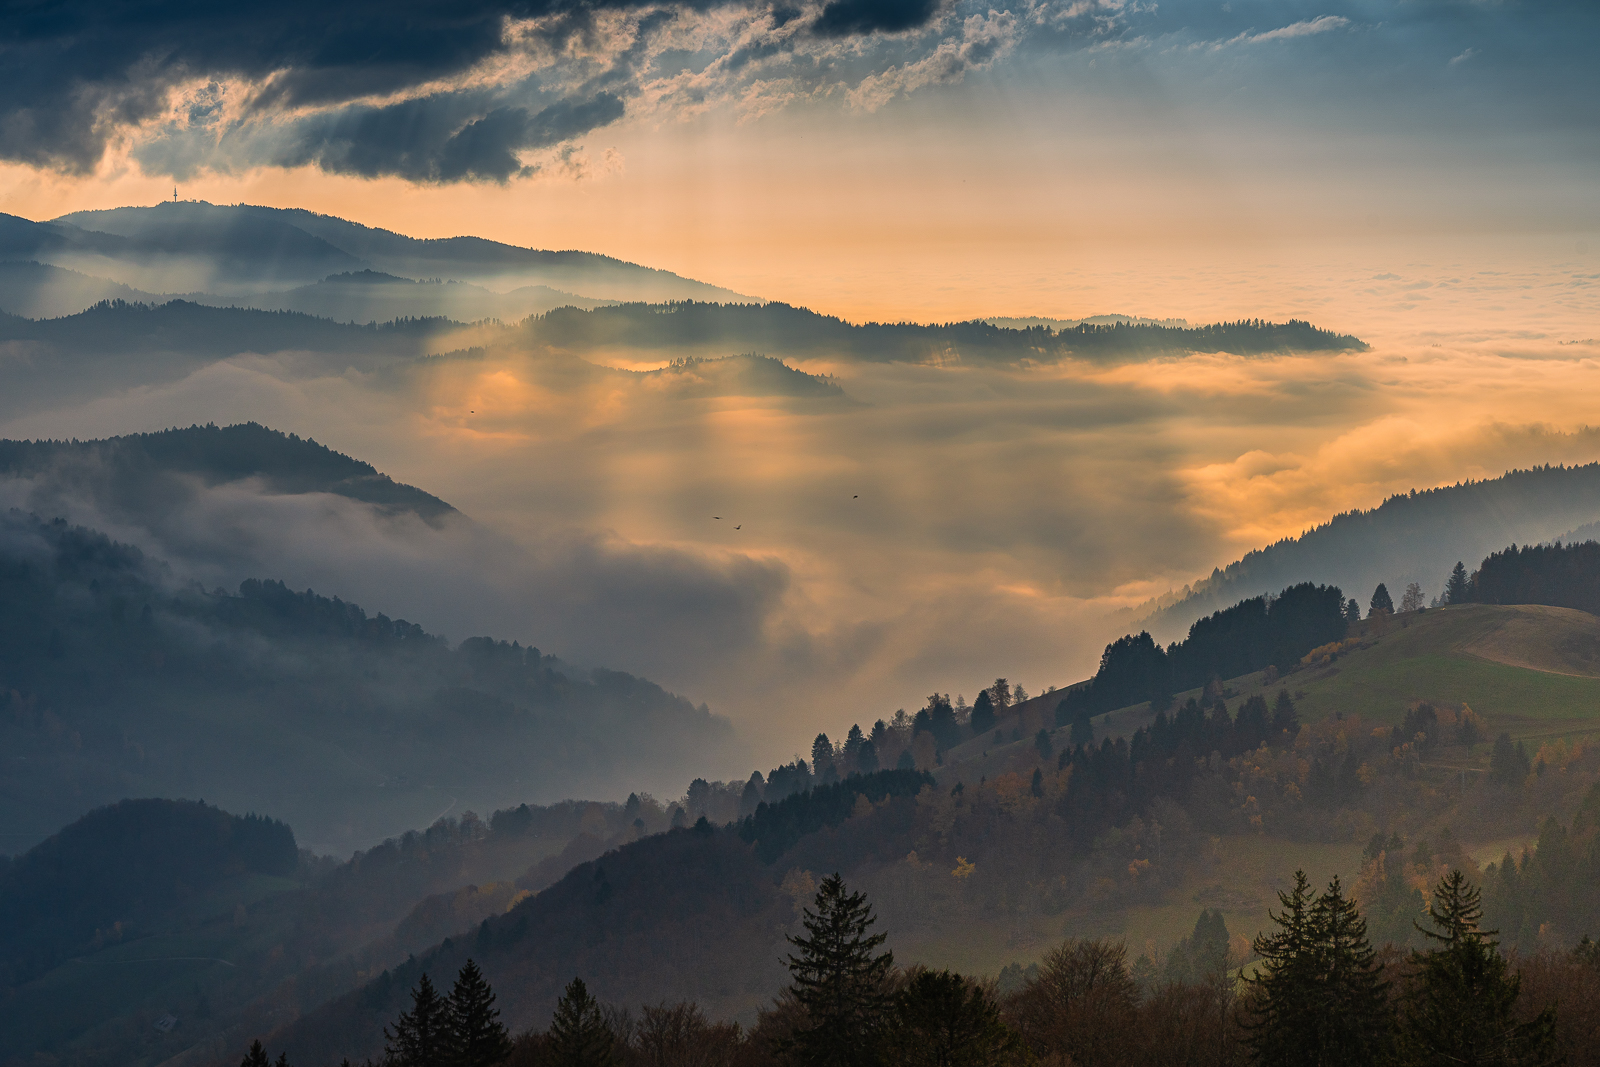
pixel 1414 537
pixel 150 909
pixel 782 329
pixel 126 473
pixel 347 725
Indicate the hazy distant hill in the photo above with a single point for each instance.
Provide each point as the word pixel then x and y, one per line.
pixel 41 291
pixel 784 330
pixel 232 249
pixel 371 296
pixel 118 682
pixel 1416 537
pixel 126 473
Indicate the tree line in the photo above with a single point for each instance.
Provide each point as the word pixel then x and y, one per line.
pixel 1319 993
pixel 1253 634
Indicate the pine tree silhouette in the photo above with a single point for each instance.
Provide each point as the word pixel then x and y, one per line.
pixel 579 1036
pixel 421 1036
pixel 1463 1010
pixel 1358 1026
pixel 1282 1026
pixel 256 1057
pixel 478 1038
pixel 839 980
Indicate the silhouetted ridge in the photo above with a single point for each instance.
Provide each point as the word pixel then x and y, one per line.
pixel 285 463
pixel 119 863
pixel 782 327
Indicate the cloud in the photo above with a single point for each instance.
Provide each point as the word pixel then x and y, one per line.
pixel 984 39
pixel 499 90
pixel 424 140
pixel 1306 28
pixel 1463 57
pixel 847 18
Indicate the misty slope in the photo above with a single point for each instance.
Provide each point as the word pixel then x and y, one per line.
pixel 1412 538
pixel 126 474
pixel 119 683
pixel 154 907
pixel 175 252
pixel 40 291
pixel 243 246
pixel 369 296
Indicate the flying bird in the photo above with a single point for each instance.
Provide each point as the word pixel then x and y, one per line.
pixel 716 516
pixel 739 527
pixel 856 497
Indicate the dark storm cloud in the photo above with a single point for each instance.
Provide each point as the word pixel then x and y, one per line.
pixel 847 18
pixel 67 67
pixel 439 139
pixel 75 75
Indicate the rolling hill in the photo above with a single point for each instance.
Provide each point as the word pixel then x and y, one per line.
pixel 1413 537
pixel 240 249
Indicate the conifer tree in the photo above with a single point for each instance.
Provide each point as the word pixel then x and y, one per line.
pixel 1463 1010
pixel 421 1036
pixel 983 717
pixel 1458 589
pixel 1082 728
pixel 1282 1025
pixel 478 1038
pixel 1284 717
pixel 1382 602
pixel 579 1036
pixel 256 1057
pixel 1358 1025
pixel 839 978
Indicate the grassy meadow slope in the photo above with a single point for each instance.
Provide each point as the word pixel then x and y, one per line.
pixel 1528 669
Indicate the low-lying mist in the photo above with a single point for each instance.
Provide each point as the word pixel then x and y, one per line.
pixel 802 552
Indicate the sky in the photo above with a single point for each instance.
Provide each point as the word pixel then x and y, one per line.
pixel 1422 174
pixel 874 158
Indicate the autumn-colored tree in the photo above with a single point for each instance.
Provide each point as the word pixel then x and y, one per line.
pixel 1081 1006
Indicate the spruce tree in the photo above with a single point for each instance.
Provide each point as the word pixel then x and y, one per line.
pixel 421 1036
pixel 1458 589
pixel 478 1038
pixel 1082 728
pixel 1463 1009
pixel 1382 603
pixel 839 978
pixel 1358 1025
pixel 1282 1023
pixel 579 1036
pixel 256 1057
